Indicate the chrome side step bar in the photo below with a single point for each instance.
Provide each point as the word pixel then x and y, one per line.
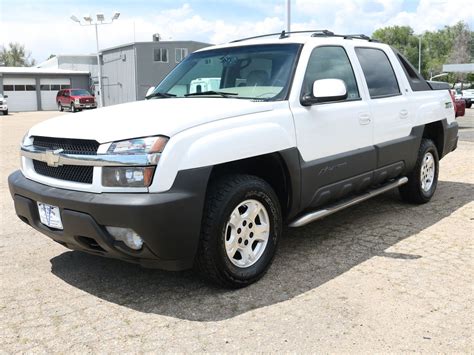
pixel 313 216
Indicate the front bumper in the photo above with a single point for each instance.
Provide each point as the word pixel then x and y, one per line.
pixel 3 107
pixel 169 223
pixel 86 106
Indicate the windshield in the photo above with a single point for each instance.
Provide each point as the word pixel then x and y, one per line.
pixel 262 72
pixel 80 93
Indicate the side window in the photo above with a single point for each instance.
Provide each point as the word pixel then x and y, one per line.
pixel 160 55
pixel 378 71
pixel 330 62
pixel 180 54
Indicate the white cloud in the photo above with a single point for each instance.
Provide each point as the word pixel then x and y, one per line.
pixel 53 34
pixel 431 15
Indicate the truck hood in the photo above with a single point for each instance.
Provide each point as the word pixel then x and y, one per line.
pixel 146 118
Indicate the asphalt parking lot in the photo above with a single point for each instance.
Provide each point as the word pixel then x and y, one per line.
pixel 383 276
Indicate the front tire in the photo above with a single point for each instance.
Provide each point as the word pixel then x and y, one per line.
pixel 73 108
pixel 60 107
pixel 5 113
pixel 241 227
pixel 423 179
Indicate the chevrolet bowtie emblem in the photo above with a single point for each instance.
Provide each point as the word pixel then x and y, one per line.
pixel 52 157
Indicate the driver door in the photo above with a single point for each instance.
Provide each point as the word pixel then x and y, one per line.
pixel 335 139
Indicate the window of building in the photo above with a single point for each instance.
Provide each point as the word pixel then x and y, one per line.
pixel 330 62
pixel 19 87
pixel 64 86
pixel 55 87
pixel 44 87
pixel 30 87
pixel 180 54
pixel 8 87
pixel 160 55
pixel 378 71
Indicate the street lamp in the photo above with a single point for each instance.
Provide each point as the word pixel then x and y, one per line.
pixel 438 76
pixel 90 22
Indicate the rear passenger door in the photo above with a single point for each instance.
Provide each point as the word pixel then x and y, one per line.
pixel 390 109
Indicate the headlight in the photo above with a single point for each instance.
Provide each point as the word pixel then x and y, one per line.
pixel 146 145
pixel 76 101
pixel 127 176
pixel 26 140
pixel 134 176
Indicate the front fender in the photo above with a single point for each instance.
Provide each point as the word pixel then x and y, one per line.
pixel 225 141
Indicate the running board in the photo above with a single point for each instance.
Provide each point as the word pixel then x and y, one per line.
pixel 313 216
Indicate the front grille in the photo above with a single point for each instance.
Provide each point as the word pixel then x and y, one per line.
pixel 74 173
pixel 69 146
pixel 85 101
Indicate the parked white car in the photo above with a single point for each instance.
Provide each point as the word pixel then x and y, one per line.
pixel 3 104
pixel 299 127
pixel 468 95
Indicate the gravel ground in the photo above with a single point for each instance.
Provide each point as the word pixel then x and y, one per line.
pixel 383 276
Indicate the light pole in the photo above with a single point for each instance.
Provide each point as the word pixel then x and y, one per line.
pixel 438 76
pixel 90 22
pixel 419 54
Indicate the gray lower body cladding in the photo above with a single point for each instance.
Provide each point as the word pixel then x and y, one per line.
pixel 169 222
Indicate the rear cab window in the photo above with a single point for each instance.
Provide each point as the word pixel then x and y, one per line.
pixel 378 72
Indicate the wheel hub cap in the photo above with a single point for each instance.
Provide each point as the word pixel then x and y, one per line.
pixel 427 173
pixel 246 233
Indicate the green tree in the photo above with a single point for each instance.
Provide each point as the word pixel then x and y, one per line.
pixel 403 39
pixel 451 44
pixel 16 56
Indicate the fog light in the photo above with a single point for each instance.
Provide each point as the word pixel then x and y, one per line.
pixel 126 235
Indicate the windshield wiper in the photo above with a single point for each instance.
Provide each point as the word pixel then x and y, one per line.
pixel 206 93
pixel 160 94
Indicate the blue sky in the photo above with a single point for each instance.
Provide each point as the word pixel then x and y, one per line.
pixel 44 25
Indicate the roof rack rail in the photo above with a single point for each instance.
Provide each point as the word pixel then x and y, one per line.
pixel 360 36
pixel 285 34
pixel 314 33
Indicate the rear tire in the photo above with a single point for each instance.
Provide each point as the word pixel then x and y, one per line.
pixel 423 179
pixel 241 227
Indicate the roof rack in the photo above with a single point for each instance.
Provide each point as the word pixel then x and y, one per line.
pixel 314 33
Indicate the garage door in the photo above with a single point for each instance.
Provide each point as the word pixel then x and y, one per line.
pixel 21 94
pixel 49 88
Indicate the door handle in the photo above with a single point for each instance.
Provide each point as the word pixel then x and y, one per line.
pixel 403 113
pixel 364 118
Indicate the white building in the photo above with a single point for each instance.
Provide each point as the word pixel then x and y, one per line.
pixel 34 89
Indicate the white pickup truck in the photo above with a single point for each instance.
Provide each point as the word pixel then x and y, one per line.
pixel 301 126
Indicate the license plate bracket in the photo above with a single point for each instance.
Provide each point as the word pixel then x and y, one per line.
pixel 50 215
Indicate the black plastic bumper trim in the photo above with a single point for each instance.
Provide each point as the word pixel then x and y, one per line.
pixel 169 222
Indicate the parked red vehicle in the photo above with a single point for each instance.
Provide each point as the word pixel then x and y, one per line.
pixel 459 105
pixel 75 100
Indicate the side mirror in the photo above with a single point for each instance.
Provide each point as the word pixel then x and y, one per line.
pixel 149 91
pixel 326 90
